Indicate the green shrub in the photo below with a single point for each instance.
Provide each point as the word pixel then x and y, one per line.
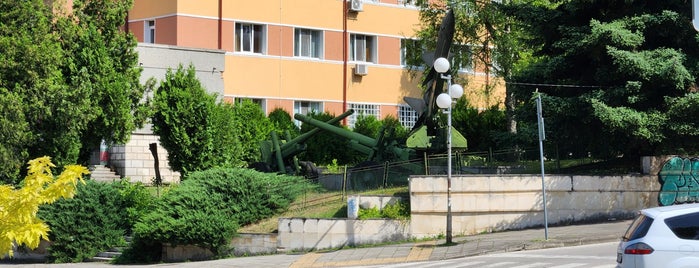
pixel 322 149
pixel 370 213
pixel 207 208
pixel 282 122
pixel 137 201
pixel 252 195
pixel 91 222
pixel 398 210
pixel 252 127
pixel 334 167
pixel 196 129
pixel 189 214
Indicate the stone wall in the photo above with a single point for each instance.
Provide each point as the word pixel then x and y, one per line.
pixel 300 234
pixel 254 244
pixel 500 202
pixel 651 165
pixel 355 202
pixel 135 161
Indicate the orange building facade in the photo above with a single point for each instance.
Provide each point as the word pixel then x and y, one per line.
pixel 302 55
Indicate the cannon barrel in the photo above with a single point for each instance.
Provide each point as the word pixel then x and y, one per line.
pixel 275 153
pixel 361 139
pixel 291 147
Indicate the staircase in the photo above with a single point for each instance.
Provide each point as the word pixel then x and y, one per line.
pixel 112 253
pixel 103 174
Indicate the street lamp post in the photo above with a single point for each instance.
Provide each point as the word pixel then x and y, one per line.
pixel 445 101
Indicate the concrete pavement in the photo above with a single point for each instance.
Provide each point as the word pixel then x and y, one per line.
pixel 560 236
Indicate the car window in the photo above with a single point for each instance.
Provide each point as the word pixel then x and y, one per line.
pixel 685 226
pixel 639 227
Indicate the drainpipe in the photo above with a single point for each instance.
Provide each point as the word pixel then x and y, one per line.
pixel 220 23
pixel 344 60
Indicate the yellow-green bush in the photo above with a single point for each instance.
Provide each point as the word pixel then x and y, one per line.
pixel 18 207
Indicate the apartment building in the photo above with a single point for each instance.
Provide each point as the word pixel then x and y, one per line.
pixel 300 55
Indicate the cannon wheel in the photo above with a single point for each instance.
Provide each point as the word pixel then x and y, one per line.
pixel 309 170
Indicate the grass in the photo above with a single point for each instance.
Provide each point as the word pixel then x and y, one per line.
pixel 320 204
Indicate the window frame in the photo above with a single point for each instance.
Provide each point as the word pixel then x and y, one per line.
pixel 410 3
pixel 261 102
pixel 404 50
pixel 149 32
pixel 300 105
pixel 407 116
pixel 365 109
pixel 315 40
pixel 256 39
pixel 368 47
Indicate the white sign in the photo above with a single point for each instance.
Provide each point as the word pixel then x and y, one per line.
pixel 695 14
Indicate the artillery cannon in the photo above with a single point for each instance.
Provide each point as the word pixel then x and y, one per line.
pixel 427 136
pixel 377 150
pixel 280 156
pixel 383 154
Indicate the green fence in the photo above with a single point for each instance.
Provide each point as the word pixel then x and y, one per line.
pixel 372 175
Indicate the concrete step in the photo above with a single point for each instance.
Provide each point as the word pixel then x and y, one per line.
pixel 103 174
pixel 112 253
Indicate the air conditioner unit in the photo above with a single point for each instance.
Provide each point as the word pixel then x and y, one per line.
pixel 356 5
pixel 361 69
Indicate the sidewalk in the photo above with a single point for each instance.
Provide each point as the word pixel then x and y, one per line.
pixel 572 235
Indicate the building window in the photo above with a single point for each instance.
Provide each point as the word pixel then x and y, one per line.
pixel 362 109
pixel 249 38
pixel 259 102
pixel 407 116
pixel 308 43
pixel 305 108
pixel 463 55
pixel 494 66
pixel 410 52
pixel 149 32
pixel 362 48
pixel 408 2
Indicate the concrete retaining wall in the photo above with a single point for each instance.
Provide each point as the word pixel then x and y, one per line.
pixel 242 245
pixel 254 244
pixel 23 254
pixel 182 253
pixel 299 234
pixel 378 201
pixel 483 203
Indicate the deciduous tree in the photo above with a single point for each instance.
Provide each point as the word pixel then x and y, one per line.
pixel 18 207
pixel 71 80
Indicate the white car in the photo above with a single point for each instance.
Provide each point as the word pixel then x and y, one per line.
pixel 662 237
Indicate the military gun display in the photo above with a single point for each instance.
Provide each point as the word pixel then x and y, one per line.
pixel 382 154
pixel 377 150
pixel 426 137
pixel 280 156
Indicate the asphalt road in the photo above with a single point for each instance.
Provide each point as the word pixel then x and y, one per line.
pixel 588 256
